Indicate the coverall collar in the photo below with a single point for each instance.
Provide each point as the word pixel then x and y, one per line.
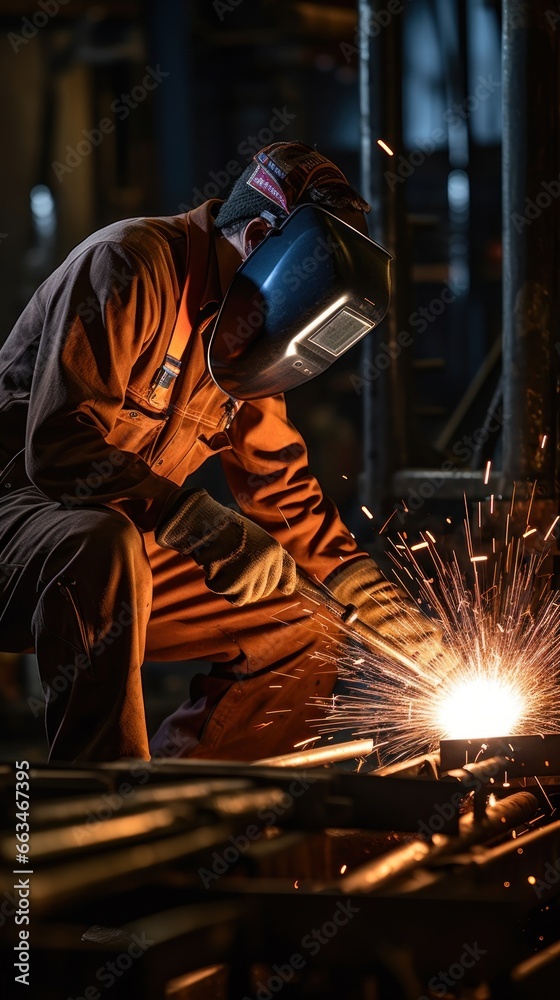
pixel 219 269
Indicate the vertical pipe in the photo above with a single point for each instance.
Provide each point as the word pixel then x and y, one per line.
pixel 391 86
pixel 531 186
pixel 384 409
pixel 371 460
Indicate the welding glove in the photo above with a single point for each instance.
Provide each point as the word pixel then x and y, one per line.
pixel 241 561
pixel 385 607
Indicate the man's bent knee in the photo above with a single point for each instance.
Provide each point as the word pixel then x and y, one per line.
pixel 111 537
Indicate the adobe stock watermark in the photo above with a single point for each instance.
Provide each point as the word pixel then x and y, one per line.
pixel 223 7
pixel 291 279
pixel 112 970
pixel 31 26
pixel 240 844
pixel 90 308
pixel 101 472
pixel 220 180
pixel 9 907
pixel 121 107
pixel 249 501
pixel 112 802
pixel 419 320
pixel 378 20
pixel 534 208
pixel 553 16
pixel 464 450
pixel 453 117
pixel 68 672
pixel 444 980
pixel 550 877
pixel 445 812
pixel 310 945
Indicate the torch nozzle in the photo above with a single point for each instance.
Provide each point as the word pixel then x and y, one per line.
pixel 348 614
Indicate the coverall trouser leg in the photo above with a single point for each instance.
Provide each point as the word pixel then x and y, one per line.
pixel 76 586
pixel 96 598
pixel 270 661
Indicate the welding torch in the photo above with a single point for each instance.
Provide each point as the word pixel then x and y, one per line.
pixel 348 615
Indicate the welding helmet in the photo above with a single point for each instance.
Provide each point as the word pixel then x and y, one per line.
pixel 310 291
pixel 305 295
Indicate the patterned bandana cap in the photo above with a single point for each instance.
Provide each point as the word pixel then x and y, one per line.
pixel 281 176
pixel 286 170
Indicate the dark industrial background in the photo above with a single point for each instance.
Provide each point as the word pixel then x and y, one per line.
pixel 445 113
pixel 233 69
pixel 405 423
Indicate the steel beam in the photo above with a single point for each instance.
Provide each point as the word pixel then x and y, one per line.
pixel 531 170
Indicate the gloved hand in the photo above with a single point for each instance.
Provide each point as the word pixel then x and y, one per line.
pixel 241 561
pixel 385 607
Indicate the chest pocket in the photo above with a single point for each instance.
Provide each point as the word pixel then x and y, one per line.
pixel 201 450
pixel 137 432
pixel 198 434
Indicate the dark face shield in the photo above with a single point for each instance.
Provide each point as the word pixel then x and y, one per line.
pixel 310 291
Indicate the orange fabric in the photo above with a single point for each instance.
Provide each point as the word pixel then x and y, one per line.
pixel 97 598
pixel 87 446
pixel 271 659
pixel 100 328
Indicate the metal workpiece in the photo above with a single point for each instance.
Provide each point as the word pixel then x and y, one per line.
pixel 185 798
pixel 504 815
pixel 425 766
pixel 476 779
pixel 532 977
pixel 514 756
pixel 518 868
pixel 237 863
pixel 476 774
pixel 501 818
pixel 318 756
pixel 378 873
pixel 323 796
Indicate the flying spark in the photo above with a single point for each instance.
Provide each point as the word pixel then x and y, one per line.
pixel 385 147
pixel 499 671
pixel 391 516
pixel 552 526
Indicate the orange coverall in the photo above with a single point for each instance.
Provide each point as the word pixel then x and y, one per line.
pixel 89 460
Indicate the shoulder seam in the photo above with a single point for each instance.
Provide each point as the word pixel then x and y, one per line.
pixel 108 243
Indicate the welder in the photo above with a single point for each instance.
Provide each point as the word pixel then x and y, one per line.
pixel 116 384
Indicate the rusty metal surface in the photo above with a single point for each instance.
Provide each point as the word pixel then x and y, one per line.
pixel 241 878
pixel 321 755
pixel 522 756
pixel 531 56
